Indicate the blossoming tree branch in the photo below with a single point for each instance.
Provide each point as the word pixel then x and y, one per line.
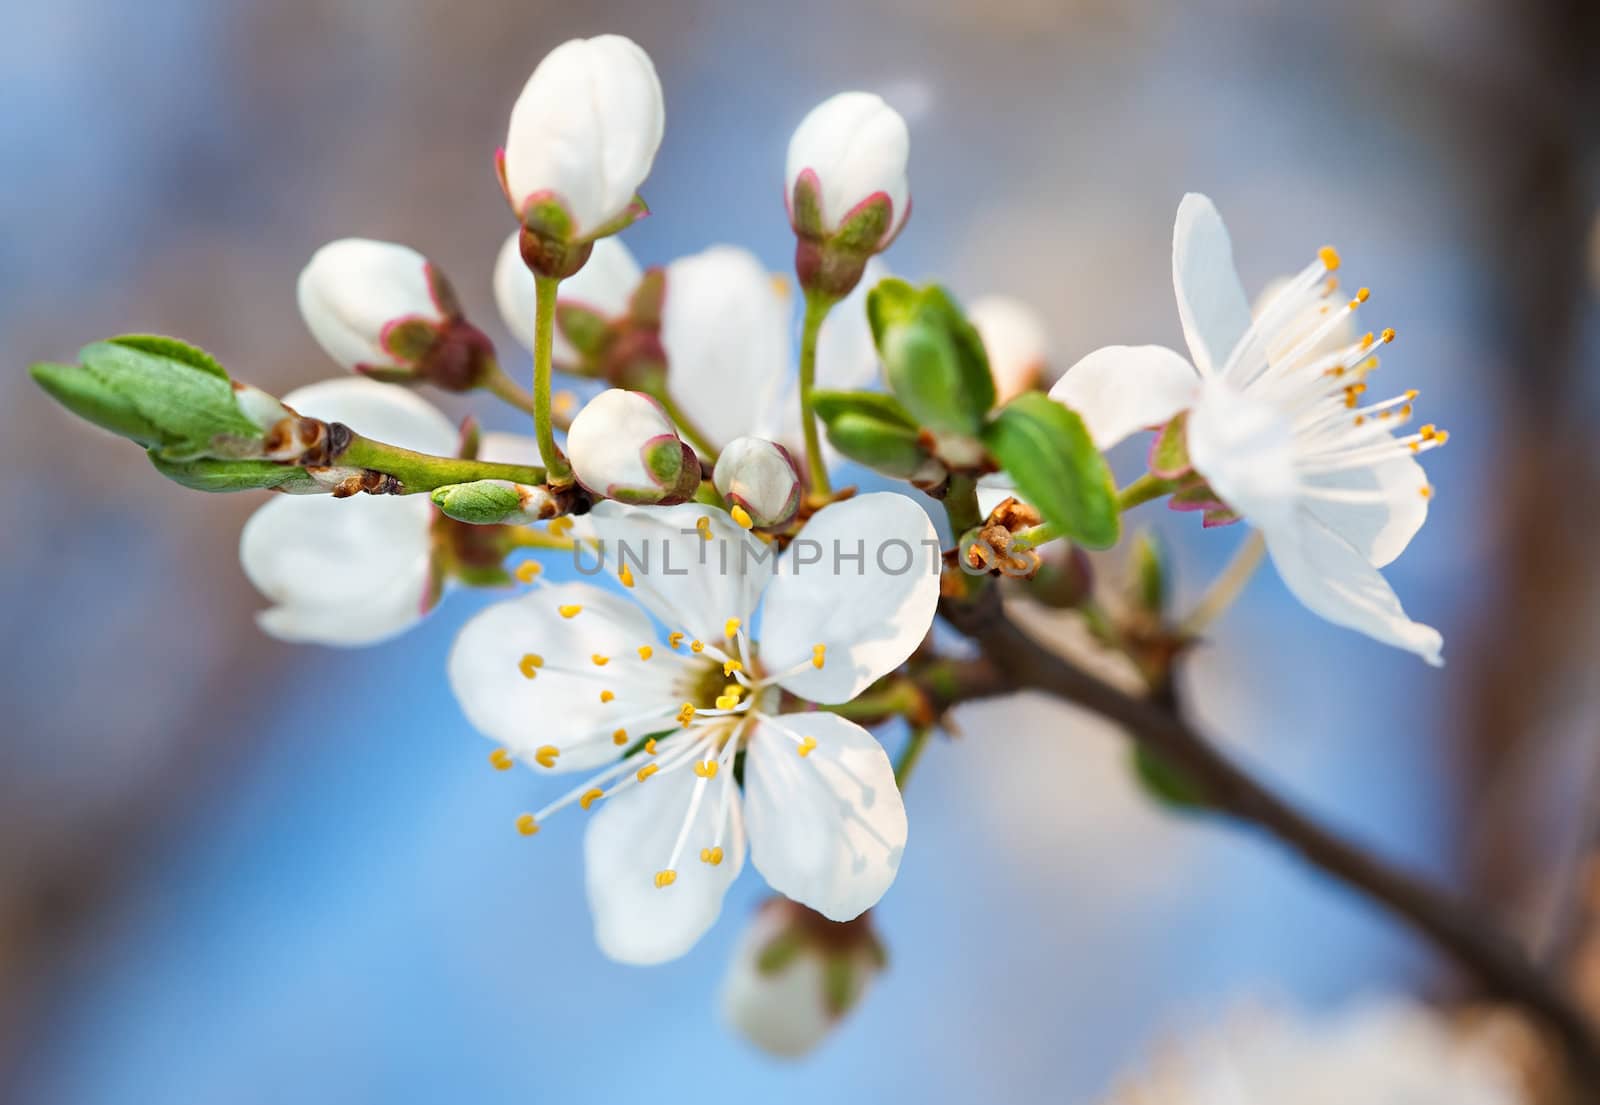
pixel 714 694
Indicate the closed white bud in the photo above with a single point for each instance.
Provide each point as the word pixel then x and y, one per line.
pixel 853 148
pixel 1015 339
pixel 600 289
pixel 372 304
pixel 583 135
pixel 760 480
pixel 795 974
pixel 622 445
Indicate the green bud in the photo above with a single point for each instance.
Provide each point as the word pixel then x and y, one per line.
pixel 494 502
pixel 159 392
pixel 1164 783
pixel 1147 574
pixel 933 358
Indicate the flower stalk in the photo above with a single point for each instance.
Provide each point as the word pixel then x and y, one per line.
pixel 1227 587
pixel 418 472
pixel 818 304
pixel 544 327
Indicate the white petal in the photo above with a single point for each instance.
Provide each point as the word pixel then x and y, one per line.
pixel 604 285
pixel 1121 389
pixel 339 571
pixel 383 412
pixel 1246 451
pixel 858 146
pixel 826 829
pixel 693 585
pixel 1016 341
pixel 555 707
pixel 1334 580
pixel 1380 531
pixel 629 840
pixel 586 127
pixel 871 612
pixel 725 327
pixel 1211 303
pixel 355 287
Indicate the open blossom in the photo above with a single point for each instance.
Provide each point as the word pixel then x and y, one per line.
pixel 761 481
pixel 602 288
pixel 622 445
pixel 852 150
pixel 574 677
pixel 584 133
pixel 1377 1053
pixel 384 310
pixel 1278 426
pixel 1015 339
pixel 359 570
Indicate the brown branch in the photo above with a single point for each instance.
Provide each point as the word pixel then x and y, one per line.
pixel 1502 967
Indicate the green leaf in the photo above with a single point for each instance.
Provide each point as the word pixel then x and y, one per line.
pixel 206 474
pixel 1164 783
pixel 933 358
pixel 87 396
pixel 174 349
pixel 479 503
pixel 892 302
pixel 871 404
pixel 1048 453
pixel 886 447
pixel 186 398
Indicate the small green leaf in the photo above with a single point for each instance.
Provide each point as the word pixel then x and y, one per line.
pixel 1165 783
pixel 175 349
pixel 933 358
pixel 871 404
pixel 479 503
pixel 205 474
pixel 1046 450
pixel 886 447
pixel 891 302
pixel 585 330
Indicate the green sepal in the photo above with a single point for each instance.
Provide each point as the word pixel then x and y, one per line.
pixel 1169 452
pixel 1164 783
pixel 805 205
pixel 1050 456
pixel 841 985
pixel 933 359
pixel 585 330
pixel 206 474
pixel 779 952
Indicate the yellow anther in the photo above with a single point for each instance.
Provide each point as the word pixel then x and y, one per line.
pixel 1426 491
pixel 674 639
pixel 600 661
pixel 1352 393
pixel 741 516
pixel 665 878
pixel 713 856
pixel 590 796
pixel 706 769
pixel 697 646
pixel 607 696
pixel 1336 370
pixel 563 401
pixel 1405 411
pixel 620 737
pixel 501 759
pixel 1442 436
pixel 526 825
pixel 625 574
pixel 1361 419
pixel 646 771
pixel 1412 393
pixel 1362 295
pixel 731 626
pixel 1366 340
pixel 1330 285
pixel 547 755
pixel 530 664
pixel 819 655
pixel 560 527
pixel 686 715
pixel 645 652
pixel 650 746
pixel 1429 432
pixel 731 666
pixel 1388 335
pixel 703 524
pixel 1329 258
pixel 569 611
pixel 726 702
pixel 529 570
pixel 806 746
pixel 733 691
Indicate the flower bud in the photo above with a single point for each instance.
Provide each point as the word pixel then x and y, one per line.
pixel 1014 338
pixel 847 192
pixel 582 137
pixel 386 311
pixel 587 304
pixel 760 479
pixel 495 502
pixel 622 445
pixel 796 974
pixel 164 394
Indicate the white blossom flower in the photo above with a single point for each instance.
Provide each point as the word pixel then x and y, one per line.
pixel 1015 339
pixel 371 305
pixel 1277 427
pixel 584 132
pixel 852 148
pixel 603 287
pixel 760 479
pixel 622 445
pixel 356 571
pixel 725 329
pixel 1388 1052
pixel 572 676
pixel 795 974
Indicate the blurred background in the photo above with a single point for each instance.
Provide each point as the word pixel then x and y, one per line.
pixel 236 871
